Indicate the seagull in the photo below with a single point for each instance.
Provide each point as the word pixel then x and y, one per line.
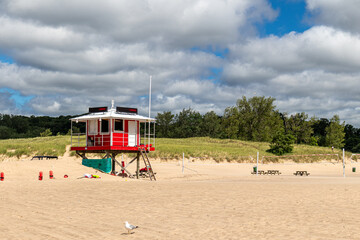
pixel 129 227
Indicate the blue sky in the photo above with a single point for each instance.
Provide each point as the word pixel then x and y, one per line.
pixel 201 54
pixel 17 97
pixel 292 16
pixel 6 59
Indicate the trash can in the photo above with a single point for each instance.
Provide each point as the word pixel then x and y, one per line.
pixel 255 168
pixel 354 169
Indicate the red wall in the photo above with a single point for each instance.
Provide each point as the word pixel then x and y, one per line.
pixel 119 139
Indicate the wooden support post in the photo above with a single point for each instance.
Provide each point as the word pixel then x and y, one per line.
pixel 113 163
pixel 106 155
pixel 81 154
pixel 137 164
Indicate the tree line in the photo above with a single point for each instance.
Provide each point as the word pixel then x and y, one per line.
pixel 253 119
pixel 257 119
pixel 16 126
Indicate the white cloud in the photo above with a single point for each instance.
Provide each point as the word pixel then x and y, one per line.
pixel 316 71
pixel 318 48
pixel 21 35
pixel 181 23
pixel 71 55
pixel 338 13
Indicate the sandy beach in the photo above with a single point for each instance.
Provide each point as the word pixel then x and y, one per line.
pixel 208 201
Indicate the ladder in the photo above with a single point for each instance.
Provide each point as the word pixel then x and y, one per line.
pixel 147 163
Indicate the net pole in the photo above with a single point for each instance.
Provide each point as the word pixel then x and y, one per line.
pixel 257 163
pixel 183 163
pixel 344 162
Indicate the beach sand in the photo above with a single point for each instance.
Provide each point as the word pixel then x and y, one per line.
pixel 208 201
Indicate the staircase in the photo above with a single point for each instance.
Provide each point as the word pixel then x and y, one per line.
pixel 149 169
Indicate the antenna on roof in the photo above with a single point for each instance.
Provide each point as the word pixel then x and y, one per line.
pixel 112 104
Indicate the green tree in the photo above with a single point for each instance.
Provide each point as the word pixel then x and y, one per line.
pixel 6 132
pixel 298 126
pixel 230 122
pixel 20 124
pixel 319 126
pixel 258 119
pixel 188 124
pixel 356 149
pixel 281 144
pixel 164 124
pixel 352 137
pixel 211 126
pixel 335 134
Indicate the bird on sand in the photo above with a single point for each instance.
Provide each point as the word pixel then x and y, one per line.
pixel 129 227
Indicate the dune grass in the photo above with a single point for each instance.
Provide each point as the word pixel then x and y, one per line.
pixel 170 148
pixel 34 146
pixel 234 150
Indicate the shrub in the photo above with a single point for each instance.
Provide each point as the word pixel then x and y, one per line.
pixel 46 133
pixel 281 144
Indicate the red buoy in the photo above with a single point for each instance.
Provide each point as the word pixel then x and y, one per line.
pixel 66 176
pixel 40 176
pixel 2 176
pixel 51 174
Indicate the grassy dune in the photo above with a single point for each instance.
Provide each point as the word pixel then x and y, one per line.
pixel 203 148
pixel 235 150
pixel 34 146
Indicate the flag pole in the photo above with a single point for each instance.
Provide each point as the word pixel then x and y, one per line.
pixel 149 111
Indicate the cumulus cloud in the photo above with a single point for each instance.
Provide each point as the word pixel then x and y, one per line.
pixel 180 23
pixel 315 71
pixel 318 48
pixel 7 105
pixel 71 55
pixel 337 13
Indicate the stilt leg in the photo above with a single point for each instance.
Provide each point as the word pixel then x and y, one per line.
pixel 137 165
pixel 113 163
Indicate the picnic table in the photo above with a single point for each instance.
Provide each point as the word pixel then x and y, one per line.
pixel 273 172
pixel 269 172
pixel 46 157
pixel 301 173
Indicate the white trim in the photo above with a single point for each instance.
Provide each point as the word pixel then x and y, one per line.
pixel 111 130
pixel 113 115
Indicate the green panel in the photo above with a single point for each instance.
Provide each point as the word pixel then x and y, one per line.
pixel 100 164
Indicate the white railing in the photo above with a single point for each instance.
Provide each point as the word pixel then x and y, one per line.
pixel 78 139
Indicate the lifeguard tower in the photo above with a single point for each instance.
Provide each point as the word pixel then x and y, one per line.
pixel 114 131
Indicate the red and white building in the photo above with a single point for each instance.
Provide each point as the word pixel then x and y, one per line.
pixel 115 130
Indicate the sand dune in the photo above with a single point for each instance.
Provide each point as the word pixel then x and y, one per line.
pixel 208 201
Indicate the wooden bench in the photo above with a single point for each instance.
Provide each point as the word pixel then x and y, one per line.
pixel 301 173
pixel 46 157
pixel 268 172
